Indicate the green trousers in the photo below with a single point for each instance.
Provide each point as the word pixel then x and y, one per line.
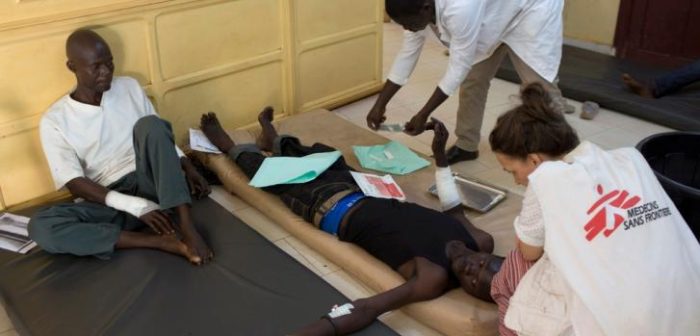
pixel 89 228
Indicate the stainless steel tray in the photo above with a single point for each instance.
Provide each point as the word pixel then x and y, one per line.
pixel 475 194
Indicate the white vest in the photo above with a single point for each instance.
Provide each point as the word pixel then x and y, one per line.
pixel 619 243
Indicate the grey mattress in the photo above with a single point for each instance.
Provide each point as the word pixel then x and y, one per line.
pixel 251 288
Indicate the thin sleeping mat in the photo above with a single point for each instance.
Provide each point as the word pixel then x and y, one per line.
pixel 587 75
pixel 251 288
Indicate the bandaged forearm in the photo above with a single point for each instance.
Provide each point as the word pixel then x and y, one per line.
pixel 446 188
pixel 136 206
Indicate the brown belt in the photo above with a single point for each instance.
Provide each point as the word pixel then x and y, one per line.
pixel 328 204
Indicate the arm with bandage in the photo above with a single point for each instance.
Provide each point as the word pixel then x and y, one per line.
pixel 450 200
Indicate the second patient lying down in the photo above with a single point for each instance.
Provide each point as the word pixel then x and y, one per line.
pixel 426 247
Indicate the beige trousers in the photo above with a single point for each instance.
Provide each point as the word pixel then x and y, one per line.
pixel 475 88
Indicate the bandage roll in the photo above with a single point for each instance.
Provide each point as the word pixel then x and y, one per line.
pixel 446 188
pixel 136 206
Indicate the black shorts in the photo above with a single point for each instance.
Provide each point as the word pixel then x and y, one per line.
pixel 396 232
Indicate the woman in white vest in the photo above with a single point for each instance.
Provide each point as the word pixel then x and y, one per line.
pixel 612 254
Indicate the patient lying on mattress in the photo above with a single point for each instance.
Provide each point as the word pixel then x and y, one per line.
pixel 419 243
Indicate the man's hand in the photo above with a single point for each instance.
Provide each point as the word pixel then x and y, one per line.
pixel 199 187
pixel 159 222
pixel 439 141
pixel 376 116
pixel 416 126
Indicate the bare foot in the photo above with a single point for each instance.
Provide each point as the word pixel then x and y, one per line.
pixel 637 87
pixel 192 239
pixel 268 135
pixel 211 127
pixel 170 243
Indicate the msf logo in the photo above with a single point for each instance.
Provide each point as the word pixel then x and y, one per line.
pixel 610 212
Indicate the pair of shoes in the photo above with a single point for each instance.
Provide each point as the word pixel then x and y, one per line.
pixel 456 154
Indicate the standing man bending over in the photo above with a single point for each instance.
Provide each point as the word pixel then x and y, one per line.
pixel 479 33
pixel 105 143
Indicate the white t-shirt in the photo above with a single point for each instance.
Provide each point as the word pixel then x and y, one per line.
pixel 82 140
pixel 622 257
pixel 473 29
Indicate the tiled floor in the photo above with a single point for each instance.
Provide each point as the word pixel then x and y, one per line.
pixel 609 130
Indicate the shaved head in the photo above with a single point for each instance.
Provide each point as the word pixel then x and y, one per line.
pixel 90 59
pixel 81 41
pixel 413 15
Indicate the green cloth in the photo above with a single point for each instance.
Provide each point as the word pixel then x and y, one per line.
pixel 393 158
pixel 291 170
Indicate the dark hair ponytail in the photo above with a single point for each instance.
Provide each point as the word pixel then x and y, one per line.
pixel 533 127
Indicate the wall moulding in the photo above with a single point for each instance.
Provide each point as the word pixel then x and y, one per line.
pixel 26 13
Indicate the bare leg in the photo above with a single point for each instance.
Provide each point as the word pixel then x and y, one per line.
pixel 428 282
pixel 191 237
pixel 215 133
pixel 269 133
pixel 168 243
pixel 637 87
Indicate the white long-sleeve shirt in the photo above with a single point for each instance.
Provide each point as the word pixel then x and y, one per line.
pixel 473 29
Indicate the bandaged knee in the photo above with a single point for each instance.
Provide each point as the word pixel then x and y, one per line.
pixel 133 205
pixel 446 188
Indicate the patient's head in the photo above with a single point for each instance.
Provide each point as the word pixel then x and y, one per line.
pixel 413 15
pixel 90 59
pixel 474 270
pixel 530 134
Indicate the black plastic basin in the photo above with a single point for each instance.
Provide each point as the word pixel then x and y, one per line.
pixel 675 159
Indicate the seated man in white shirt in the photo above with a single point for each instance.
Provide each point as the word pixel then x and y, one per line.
pixel 479 34
pixel 105 143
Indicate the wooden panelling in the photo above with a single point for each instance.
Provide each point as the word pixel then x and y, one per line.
pixel 318 18
pixel 236 98
pixel 218 34
pixel 349 70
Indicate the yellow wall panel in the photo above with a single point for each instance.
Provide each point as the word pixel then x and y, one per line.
pixel 317 18
pixel 24 10
pixel 23 168
pixel 591 20
pixel 236 98
pixel 217 34
pixel 33 75
pixel 352 66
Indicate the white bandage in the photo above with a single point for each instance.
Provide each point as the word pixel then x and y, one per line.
pixel 446 188
pixel 338 311
pixel 136 206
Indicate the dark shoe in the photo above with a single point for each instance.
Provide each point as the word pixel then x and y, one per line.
pixel 456 154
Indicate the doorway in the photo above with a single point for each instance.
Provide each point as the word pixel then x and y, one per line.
pixel 659 32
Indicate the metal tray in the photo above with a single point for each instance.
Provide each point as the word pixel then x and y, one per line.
pixel 475 194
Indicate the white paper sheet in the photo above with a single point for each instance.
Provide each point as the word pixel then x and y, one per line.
pixel 13 233
pixel 378 186
pixel 200 143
